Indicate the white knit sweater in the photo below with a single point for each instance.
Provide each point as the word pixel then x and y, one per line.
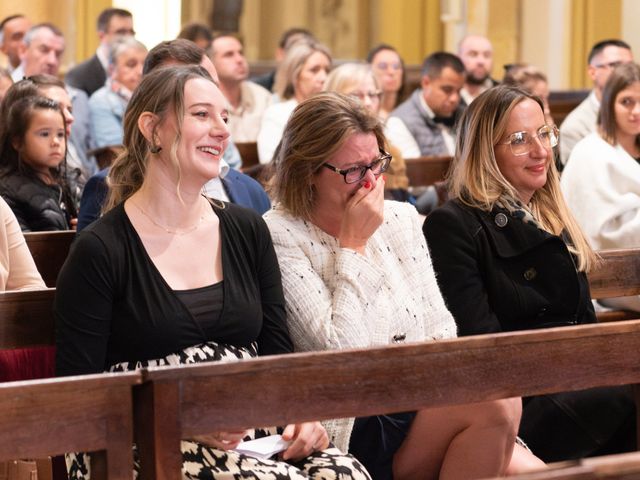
pixel 601 184
pixel 337 298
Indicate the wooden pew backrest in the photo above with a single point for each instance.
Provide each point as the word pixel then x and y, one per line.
pixel 423 171
pixel 562 102
pixel 618 275
pixel 176 403
pixel 86 414
pixel 248 153
pixel 49 250
pixel 26 318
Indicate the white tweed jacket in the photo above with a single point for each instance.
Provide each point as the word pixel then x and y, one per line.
pixel 337 298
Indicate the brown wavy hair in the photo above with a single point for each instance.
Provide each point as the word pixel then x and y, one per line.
pixel 316 130
pixel 622 77
pixel 161 92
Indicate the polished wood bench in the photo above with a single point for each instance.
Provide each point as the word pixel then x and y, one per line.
pixel 618 275
pixel 424 171
pixel 610 467
pixel 562 102
pixel 78 414
pixel 248 153
pixel 175 403
pixel 49 251
pixel 26 318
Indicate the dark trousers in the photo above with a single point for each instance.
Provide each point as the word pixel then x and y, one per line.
pixel 585 423
pixel 375 440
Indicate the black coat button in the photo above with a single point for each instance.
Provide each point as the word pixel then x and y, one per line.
pixel 530 274
pixel 399 338
pixel 501 220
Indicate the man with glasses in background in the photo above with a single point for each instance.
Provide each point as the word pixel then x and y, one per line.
pixel 603 58
pixel 91 74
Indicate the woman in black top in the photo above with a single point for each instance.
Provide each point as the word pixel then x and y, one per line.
pixel 509 255
pixel 167 277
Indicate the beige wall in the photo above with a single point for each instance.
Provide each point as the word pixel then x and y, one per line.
pixel 630 26
pixel 552 34
pixel 68 15
pixel 348 27
pixel 545 38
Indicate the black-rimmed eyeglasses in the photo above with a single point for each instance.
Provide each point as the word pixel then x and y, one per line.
pixel 355 174
pixel 521 143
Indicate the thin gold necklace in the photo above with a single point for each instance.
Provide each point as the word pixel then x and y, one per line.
pixel 167 229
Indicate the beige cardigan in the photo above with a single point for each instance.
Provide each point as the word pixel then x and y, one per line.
pixel 17 269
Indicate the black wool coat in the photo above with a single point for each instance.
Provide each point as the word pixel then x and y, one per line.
pixel 37 206
pixel 498 273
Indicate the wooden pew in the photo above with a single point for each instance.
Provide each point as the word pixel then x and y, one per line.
pixel 562 102
pixel 26 318
pixel 175 403
pixel 618 275
pixel 424 171
pixel 51 417
pixel 249 154
pixel 49 250
pixel 618 467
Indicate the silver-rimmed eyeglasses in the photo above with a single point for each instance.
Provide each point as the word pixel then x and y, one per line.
pixel 355 174
pixel 521 143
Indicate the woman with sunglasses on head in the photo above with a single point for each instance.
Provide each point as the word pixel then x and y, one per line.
pixel 509 255
pixel 356 273
pixel 601 181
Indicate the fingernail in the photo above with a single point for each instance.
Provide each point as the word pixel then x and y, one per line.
pixel 367 185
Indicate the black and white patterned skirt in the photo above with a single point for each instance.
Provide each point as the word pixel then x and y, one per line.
pixel 201 461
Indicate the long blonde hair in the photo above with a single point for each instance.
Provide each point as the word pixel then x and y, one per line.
pixel 349 76
pixel 476 180
pixel 293 63
pixel 161 92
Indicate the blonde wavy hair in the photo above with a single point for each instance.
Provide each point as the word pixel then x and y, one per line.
pixel 348 76
pixel 161 92
pixel 476 180
pixel 288 72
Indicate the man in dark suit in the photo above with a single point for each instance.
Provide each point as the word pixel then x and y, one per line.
pixel 91 74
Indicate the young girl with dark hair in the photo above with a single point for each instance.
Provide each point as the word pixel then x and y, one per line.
pixel 32 165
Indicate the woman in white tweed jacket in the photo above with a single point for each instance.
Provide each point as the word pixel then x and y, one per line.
pixel 356 273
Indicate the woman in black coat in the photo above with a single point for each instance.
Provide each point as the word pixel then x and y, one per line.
pixel 509 256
